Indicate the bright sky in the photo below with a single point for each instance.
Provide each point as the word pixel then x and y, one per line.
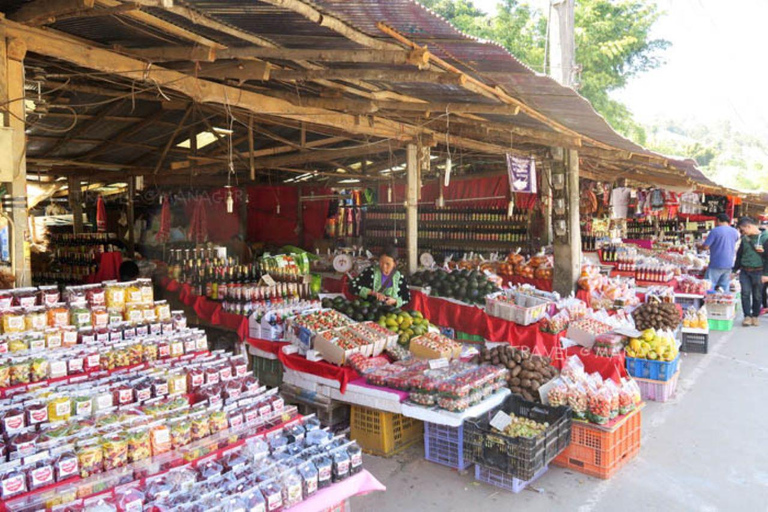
pixel 715 68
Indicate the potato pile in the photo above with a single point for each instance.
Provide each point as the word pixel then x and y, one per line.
pixel 527 372
pixel 656 315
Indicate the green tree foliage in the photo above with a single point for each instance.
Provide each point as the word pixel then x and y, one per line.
pixel 613 44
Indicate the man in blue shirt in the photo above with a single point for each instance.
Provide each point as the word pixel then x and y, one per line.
pixel 722 253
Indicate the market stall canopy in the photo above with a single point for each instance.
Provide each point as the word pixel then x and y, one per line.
pixel 323 90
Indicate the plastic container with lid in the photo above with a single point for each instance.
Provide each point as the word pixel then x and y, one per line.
pixel 115 315
pixel 73 294
pixel 273 495
pixel 25 297
pixel 95 295
pixel 5 374
pixel 324 465
pixel 66 466
pixel 179 320
pixel 75 363
pixel 69 336
pixel 129 499
pixel 6 300
pixel 99 317
pixel 115 451
pixel 90 458
pixel 20 371
pixel 160 436
pixel 162 311
pixel 35 319
pixel 49 295
pixel 134 313
pixel 53 338
pixel 39 369
pixel 116 295
pixel 199 427
pixel 147 292
pixel 23 443
pixel 341 465
pixel 177 348
pixel 355 458
pixel 181 433
pixel 12 483
pixel 13 420
pixel 150 351
pixel 13 320
pixel 60 408
pixel 139 444
pixel 40 474
pixel 80 315
pixel 36 413
pixel 58 315
pixel 17 343
pixel 82 406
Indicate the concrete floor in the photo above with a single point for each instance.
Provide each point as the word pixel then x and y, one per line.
pixel 703 450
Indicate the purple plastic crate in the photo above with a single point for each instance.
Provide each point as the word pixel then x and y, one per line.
pixel 503 480
pixel 445 445
pixel 658 390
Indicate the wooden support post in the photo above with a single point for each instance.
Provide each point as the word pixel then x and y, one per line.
pixel 412 207
pixel 131 234
pixel 76 204
pixel 12 53
pixel 251 149
pixel 546 197
pixel 568 247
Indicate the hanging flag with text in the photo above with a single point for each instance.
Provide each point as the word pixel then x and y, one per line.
pixel 522 174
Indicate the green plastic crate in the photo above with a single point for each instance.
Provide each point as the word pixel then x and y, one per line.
pixel 720 325
pixel 469 338
pixel 268 371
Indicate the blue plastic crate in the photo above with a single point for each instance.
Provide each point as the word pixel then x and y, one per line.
pixel 503 480
pixel 648 369
pixel 445 445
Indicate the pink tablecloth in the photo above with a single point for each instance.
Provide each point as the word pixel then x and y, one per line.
pixel 361 483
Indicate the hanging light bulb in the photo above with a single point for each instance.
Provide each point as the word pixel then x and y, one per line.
pixel 389 193
pixel 278 208
pixel 511 207
pixel 440 203
pixel 230 201
pixel 448 167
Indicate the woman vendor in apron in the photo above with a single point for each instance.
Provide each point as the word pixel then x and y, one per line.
pixel 383 282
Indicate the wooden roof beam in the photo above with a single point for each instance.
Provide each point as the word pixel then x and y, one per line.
pixel 331 22
pixel 57 45
pixel 163 26
pixel 400 57
pixel 172 53
pixel 375 75
pixel 124 134
pixel 43 10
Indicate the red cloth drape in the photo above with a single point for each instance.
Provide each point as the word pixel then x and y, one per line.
pixel 266 225
pixel 489 186
pixel 541 284
pixel 342 374
pixel 101 215
pixel 232 321
pixel 206 308
pixel 272 347
pixel 109 267
pixel 164 233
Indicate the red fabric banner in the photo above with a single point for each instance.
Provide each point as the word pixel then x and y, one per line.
pixel 272 347
pixel 206 308
pixel 232 321
pixel 109 267
pixel 541 284
pixel 266 225
pixel 299 363
pixel 475 188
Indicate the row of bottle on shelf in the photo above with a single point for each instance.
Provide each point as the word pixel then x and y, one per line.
pixel 65 275
pixel 446 215
pixel 655 273
pixel 480 234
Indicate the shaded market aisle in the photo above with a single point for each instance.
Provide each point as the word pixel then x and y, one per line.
pixel 701 451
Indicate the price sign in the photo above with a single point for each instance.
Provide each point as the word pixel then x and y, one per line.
pixel 435 364
pixel 501 421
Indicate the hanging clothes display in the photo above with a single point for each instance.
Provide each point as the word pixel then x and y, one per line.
pixel 714 205
pixel 620 202
pixel 690 203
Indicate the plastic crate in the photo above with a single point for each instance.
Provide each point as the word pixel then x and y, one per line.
pixel 268 371
pixel 445 445
pixel 600 452
pixel 649 369
pixel 516 456
pixel 721 311
pixel 720 325
pixel 658 390
pixel 686 302
pixel 469 338
pixel 697 342
pixel 503 480
pixel 383 433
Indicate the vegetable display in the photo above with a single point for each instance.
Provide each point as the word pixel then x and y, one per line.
pixel 470 286
pixel 656 315
pixel 527 372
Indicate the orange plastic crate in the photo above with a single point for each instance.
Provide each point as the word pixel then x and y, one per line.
pixel 383 433
pixel 600 452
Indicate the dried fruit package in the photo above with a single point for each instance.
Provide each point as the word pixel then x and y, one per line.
pixel 577 400
pixel 600 405
pixel 558 394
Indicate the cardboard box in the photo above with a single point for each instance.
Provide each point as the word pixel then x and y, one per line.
pixel 423 352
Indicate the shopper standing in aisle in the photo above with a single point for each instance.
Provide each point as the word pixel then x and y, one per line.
pixel 752 266
pixel 722 251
